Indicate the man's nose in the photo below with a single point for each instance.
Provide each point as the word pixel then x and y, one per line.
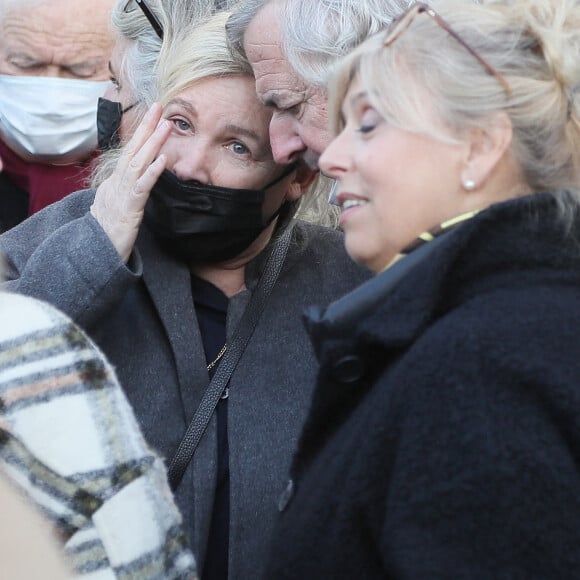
pixel 287 146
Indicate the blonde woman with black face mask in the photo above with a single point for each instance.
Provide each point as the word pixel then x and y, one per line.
pixel 444 435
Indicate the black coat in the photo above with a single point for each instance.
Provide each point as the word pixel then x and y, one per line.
pixel 444 437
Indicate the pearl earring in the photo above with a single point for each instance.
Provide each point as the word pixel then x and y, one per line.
pixel 469 184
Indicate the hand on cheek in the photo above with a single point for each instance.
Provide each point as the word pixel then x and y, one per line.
pixel 120 200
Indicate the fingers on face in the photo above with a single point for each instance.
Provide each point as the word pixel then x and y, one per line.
pixel 145 183
pixel 143 150
pixel 145 129
pixel 144 146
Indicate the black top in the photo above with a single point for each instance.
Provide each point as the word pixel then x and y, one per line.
pixel 13 203
pixel 211 307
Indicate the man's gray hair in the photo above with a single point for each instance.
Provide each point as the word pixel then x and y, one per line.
pixel 243 12
pixel 316 34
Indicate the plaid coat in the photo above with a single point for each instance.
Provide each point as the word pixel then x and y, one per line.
pixel 70 441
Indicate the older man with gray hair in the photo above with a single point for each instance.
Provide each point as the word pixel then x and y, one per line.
pixel 292 46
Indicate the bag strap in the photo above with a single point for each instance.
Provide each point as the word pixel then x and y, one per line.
pixel 235 349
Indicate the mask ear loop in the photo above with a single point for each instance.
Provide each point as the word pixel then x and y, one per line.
pixel 292 167
pixel 127 109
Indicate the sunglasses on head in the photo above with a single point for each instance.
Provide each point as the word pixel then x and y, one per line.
pixel 153 20
pixel 401 24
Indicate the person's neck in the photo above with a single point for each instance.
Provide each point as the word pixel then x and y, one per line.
pixel 229 281
pixel 230 277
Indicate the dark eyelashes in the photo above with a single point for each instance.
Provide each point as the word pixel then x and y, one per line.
pixel 366 128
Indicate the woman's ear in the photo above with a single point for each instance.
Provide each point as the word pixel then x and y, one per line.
pixel 302 181
pixel 487 148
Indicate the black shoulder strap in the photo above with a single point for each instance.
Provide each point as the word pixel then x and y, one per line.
pixel 236 348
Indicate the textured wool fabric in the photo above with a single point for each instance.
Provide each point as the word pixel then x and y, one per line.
pixel 70 441
pixel 143 318
pixel 444 436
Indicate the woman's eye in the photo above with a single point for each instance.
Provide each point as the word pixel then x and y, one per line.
pixel 365 128
pixel 368 121
pixel 239 148
pixel 115 83
pixel 181 124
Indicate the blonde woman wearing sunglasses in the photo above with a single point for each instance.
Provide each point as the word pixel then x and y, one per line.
pixel 444 435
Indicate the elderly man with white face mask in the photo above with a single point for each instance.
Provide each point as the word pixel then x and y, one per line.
pixel 53 67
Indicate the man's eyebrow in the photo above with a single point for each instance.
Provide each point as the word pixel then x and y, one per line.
pixel 282 101
pixel 271 101
pixel 110 67
pixel 24 57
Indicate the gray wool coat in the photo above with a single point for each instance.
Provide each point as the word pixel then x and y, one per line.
pixel 142 316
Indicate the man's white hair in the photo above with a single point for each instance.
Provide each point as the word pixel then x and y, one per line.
pixel 317 34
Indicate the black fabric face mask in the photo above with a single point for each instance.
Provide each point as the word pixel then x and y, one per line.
pixel 200 223
pixel 109 115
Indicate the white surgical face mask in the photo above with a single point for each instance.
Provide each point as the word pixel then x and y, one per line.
pixel 48 119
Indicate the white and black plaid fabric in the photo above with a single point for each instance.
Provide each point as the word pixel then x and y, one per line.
pixel 70 441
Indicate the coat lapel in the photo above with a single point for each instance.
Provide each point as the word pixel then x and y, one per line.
pixel 168 284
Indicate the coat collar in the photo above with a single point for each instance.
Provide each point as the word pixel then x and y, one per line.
pixel 417 289
pixel 169 286
pixel 355 338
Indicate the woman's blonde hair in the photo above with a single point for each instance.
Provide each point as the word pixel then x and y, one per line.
pixel 426 74
pixel 190 52
pixel 139 62
pixel 195 54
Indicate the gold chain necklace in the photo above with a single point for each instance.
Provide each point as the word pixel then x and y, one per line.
pixel 217 358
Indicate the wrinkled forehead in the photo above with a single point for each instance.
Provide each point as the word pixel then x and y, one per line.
pixel 276 81
pixel 272 70
pixel 263 36
pixel 83 27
